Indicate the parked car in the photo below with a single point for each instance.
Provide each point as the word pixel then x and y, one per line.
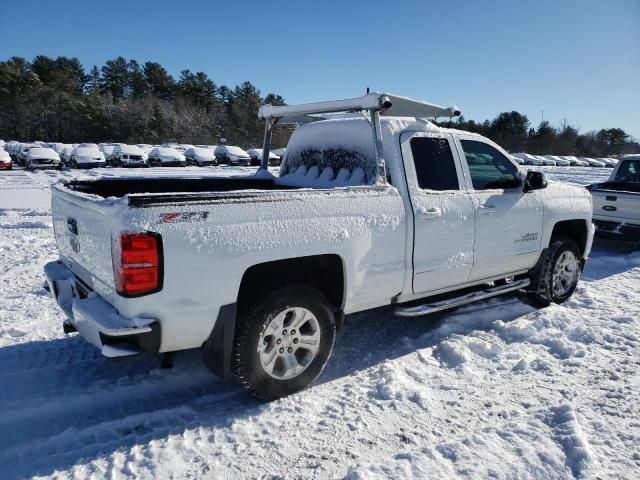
pixel 65 154
pixel 592 162
pixel 87 157
pixel 5 160
pixel 609 162
pixel 166 157
pixel 56 146
pixel 107 151
pixel 518 160
pixel 616 202
pixel 11 149
pixel 175 146
pixel 88 145
pixel 529 159
pixel 256 157
pixel 574 161
pixel 200 156
pixel 280 152
pixel 232 155
pixel 145 147
pixel 257 271
pixel 41 157
pixel 128 156
pixel 23 152
pixel 561 162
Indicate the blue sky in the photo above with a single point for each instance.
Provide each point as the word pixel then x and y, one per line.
pixel 578 60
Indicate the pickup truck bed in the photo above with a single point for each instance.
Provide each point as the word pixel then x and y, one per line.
pixel 119 187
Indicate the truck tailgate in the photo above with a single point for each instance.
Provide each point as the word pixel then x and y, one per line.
pixel 616 204
pixel 83 227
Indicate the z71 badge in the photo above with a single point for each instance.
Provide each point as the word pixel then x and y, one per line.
pixel 183 217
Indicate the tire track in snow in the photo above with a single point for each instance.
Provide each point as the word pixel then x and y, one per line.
pixel 101 413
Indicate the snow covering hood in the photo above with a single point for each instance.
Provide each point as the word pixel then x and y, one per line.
pixel 232 150
pixel 201 152
pixel 48 153
pixel 168 152
pixel 87 151
pixel 131 150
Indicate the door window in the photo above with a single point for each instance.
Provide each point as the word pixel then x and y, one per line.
pixel 434 163
pixel 489 169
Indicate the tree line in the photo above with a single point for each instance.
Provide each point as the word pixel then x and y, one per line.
pixel 513 131
pixel 125 101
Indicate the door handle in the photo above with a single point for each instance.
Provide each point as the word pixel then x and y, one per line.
pixel 487 210
pixel 431 213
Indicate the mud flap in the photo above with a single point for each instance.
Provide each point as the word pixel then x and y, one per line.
pixel 218 349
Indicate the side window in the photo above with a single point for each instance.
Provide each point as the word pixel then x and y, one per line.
pixel 488 167
pixel 629 171
pixel 434 163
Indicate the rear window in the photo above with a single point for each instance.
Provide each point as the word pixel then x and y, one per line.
pixel 434 163
pixel 629 171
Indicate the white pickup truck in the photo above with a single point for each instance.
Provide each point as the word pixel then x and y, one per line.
pixel 616 202
pixel 376 206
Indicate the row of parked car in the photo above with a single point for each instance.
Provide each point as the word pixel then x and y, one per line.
pixel 38 155
pixel 563 161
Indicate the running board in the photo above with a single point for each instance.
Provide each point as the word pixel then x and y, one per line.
pixel 462 300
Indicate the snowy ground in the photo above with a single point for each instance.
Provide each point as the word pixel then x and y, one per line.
pixel 496 389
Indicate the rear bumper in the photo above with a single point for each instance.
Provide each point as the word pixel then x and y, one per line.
pixel 97 321
pixel 617 229
pixel 92 165
pixel 173 164
pixel 43 166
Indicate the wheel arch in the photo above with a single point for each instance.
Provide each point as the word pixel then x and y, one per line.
pixel 260 278
pixel 324 272
pixel 577 230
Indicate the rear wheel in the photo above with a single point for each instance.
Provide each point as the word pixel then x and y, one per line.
pixel 283 341
pixel 557 276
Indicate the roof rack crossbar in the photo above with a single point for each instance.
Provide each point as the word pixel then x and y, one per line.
pixel 377 104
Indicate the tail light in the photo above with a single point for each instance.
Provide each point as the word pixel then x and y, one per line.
pixel 137 263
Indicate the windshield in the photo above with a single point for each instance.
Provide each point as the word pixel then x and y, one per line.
pixel 629 171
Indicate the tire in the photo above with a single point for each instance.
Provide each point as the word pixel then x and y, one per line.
pixel 283 306
pixel 556 276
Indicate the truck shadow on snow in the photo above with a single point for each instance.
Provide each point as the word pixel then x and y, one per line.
pixel 63 404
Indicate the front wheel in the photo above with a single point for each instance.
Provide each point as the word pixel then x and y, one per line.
pixel 283 341
pixel 557 277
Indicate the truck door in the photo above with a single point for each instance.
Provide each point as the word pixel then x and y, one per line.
pixel 442 212
pixel 508 221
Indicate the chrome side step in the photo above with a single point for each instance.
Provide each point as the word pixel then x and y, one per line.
pixel 461 300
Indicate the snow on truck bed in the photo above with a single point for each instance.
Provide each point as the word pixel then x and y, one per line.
pixel 495 389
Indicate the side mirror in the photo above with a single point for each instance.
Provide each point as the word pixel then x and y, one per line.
pixel 534 181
